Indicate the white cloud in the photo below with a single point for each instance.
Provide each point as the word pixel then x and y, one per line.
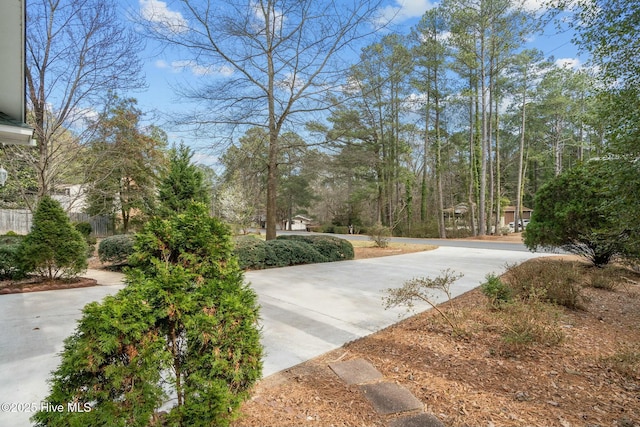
pixel 157 12
pixel 193 67
pixel 160 63
pixel 403 10
pixel 276 21
pixel 573 63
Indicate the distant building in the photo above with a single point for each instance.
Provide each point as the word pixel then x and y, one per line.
pixel 510 214
pixel 72 197
pixel 298 223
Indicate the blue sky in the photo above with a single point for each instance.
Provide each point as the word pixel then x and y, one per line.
pixel 163 72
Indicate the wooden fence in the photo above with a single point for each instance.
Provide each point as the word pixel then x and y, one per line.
pixel 19 221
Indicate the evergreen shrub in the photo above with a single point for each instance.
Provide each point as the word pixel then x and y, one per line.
pixel 84 228
pixel 53 248
pixel 116 249
pixel 9 265
pixel 333 248
pixel 253 253
pixel 185 327
pixel 294 252
pixel 498 292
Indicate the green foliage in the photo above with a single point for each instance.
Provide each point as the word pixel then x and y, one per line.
pixel 125 158
pixel 113 362
pixel 9 265
pixel 116 249
pixel 380 235
pixel 295 252
pixel 185 326
pixel 181 184
pixel 496 291
pixel 574 212
pixel 53 248
pixel 428 290
pixel 255 254
pixel 84 228
pixel 333 248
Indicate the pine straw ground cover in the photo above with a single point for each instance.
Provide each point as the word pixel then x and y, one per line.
pixel 530 364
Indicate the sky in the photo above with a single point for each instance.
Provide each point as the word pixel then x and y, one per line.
pixel 163 72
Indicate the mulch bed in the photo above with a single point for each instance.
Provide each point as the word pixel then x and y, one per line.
pixel 37 284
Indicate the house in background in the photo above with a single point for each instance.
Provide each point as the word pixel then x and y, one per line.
pixel 298 223
pixel 510 214
pixel 13 129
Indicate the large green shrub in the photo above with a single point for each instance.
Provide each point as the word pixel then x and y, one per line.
pixel 294 252
pixel 333 248
pixel 255 254
pixel 53 248
pixel 576 212
pixel 185 326
pixel 116 249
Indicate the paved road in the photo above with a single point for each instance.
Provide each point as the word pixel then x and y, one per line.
pixel 306 311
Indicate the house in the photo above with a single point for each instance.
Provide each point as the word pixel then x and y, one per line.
pixel 72 197
pixel 298 223
pixel 510 214
pixel 13 129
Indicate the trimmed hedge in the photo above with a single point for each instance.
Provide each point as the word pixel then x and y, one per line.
pixel 334 248
pixel 116 249
pixel 253 253
pixel 256 254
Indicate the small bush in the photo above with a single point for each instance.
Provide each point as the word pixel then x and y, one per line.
pixel 380 235
pixel 116 249
pixel 84 228
pixel 531 322
pixel 427 290
pixel 9 265
pixel 53 248
pixel 496 291
pixel 558 281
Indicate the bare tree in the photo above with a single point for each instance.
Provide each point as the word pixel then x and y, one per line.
pixel 264 62
pixel 77 51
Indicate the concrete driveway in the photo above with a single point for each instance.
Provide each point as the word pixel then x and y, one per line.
pixel 306 311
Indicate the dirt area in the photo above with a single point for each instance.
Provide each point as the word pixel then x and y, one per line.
pixel 591 377
pixel 364 250
pixel 39 284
